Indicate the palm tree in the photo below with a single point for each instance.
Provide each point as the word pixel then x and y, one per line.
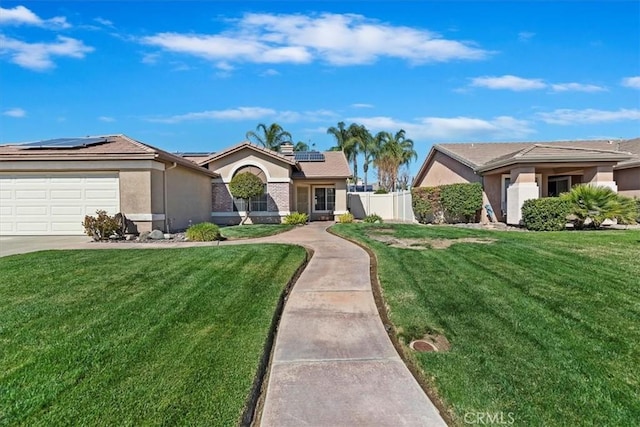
pixel 301 146
pixel 369 147
pixel 347 142
pixel 269 137
pixel 395 150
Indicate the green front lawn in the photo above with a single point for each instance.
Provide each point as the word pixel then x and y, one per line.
pixel 544 327
pixel 252 231
pixel 130 337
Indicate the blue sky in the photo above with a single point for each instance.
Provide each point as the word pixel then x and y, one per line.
pixel 197 75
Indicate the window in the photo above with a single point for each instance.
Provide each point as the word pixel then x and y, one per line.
pixel 258 204
pixel 325 199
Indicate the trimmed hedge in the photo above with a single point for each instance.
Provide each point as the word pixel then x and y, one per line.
pixel 546 214
pixel 461 201
pixel 447 203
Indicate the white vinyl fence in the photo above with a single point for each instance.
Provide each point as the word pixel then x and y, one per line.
pixel 391 207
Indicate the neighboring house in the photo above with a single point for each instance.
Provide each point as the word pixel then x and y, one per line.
pixel 311 182
pixel 47 187
pixel 511 173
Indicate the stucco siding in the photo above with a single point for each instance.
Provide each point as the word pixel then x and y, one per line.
pixel 628 181
pixel 227 165
pixel 135 192
pixel 493 187
pixel 189 198
pixel 443 170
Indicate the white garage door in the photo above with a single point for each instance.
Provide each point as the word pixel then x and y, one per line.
pixel 54 203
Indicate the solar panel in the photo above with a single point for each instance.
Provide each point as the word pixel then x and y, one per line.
pixel 65 142
pixel 308 156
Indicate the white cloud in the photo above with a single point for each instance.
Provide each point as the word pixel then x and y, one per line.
pixel 105 22
pixel 508 82
pixel 270 72
pixel 577 87
pixel 106 119
pixel 240 113
pixel 633 82
pixel 450 128
pixel 150 58
pixel 15 112
pixel 20 15
pixel 588 116
pixel 38 56
pixel 524 36
pixel 361 105
pixel 333 38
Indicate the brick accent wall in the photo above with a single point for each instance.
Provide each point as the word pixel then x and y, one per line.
pixel 279 196
pixel 221 199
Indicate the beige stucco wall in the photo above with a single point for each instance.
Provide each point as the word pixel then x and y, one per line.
pixel 135 192
pixel 188 198
pixel 443 170
pixel 273 168
pixel 628 181
pixel 492 187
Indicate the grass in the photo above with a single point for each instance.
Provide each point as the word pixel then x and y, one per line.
pixel 543 326
pixel 128 337
pixel 252 231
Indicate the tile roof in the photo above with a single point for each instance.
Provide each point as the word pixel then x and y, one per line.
pixel 117 147
pixel 247 144
pixel 335 165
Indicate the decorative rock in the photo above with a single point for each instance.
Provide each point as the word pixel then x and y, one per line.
pixel 144 236
pixel 156 235
pixel 130 237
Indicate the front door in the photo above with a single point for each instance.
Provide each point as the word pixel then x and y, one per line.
pixel 302 199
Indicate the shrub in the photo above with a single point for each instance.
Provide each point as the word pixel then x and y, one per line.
pixel 345 218
pixel 461 201
pixel 590 205
pixel 381 191
pixel 426 204
pixel 245 186
pixel 203 232
pixel 103 226
pixel 373 219
pixel 546 214
pixel 296 218
pixel 629 210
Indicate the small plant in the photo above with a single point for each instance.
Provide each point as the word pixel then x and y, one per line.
pixel 296 218
pixel 381 191
pixel 546 214
pixel 345 218
pixel 102 226
pixel 373 219
pixel 591 205
pixel 203 232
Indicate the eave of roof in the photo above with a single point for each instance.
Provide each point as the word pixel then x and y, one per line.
pixel 247 144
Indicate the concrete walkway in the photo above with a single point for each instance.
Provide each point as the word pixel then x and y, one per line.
pixel 333 363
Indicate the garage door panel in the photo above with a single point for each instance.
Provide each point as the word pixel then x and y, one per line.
pixel 66 194
pixel 54 203
pixel 32 210
pixel 31 194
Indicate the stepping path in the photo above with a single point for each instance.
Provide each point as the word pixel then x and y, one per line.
pixel 333 363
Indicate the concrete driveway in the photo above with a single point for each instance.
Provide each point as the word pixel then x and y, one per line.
pixel 11 245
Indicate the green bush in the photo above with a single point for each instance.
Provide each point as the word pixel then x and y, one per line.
pixel 203 232
pixel 373 219
pixel 461 201
pixel 345 218
pixel 103 226
pixel 296 218
pixel 426 204
pixel 546 214
pixel 591 205
pixel 381 191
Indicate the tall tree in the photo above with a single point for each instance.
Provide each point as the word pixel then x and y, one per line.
pixel 369 147
pixel 269 137
pixel 301 146
pixel 347 142
pixel 395 150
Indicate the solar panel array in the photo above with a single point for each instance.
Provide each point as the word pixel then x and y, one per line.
pixel 65 142
pixel 308 156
